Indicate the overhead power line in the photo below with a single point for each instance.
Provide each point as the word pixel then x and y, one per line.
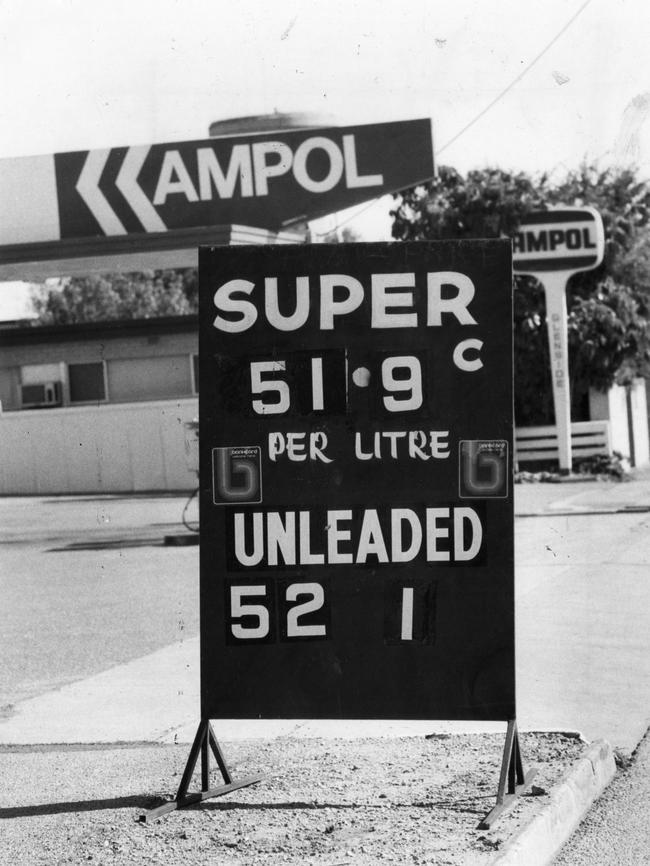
pixel 483 111
pixel 516 80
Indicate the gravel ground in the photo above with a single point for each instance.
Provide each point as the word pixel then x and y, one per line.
pixel 407 800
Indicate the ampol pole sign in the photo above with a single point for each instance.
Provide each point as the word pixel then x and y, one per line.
pixel 162 196
pixel 551 246
pixel 356 501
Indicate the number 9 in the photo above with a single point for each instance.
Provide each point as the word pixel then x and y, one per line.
pixel 412 384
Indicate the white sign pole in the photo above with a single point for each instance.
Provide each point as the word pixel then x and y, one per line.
pixel 551 246
pixel 554 283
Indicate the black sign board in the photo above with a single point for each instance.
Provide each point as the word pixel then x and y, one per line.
pixel 356 499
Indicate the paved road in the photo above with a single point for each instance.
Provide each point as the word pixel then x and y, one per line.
pixel 86 584
pixel 617 829
pixel 583 615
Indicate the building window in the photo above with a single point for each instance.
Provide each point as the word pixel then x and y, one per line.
pixel 41 385
pixel 87 382
pixel 160 377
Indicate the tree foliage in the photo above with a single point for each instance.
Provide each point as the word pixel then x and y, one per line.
pixel 487 203
pixel 139 295
pixel 609 335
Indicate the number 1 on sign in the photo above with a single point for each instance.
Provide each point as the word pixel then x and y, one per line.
pixel 407 613
pixel 317 398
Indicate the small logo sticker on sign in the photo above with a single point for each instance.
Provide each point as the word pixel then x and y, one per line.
pixel 483 468
pixel 237 475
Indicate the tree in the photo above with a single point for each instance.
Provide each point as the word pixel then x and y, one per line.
pixel 488 203
pixel 117 296
pixel 609 335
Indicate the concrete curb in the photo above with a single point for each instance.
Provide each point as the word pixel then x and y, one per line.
pixel 541 839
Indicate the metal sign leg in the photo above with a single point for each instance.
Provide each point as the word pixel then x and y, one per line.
pixel 204 742
pixel 512 780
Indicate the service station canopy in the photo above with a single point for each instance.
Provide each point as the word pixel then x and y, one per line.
pixel 163 200
pixel 355 472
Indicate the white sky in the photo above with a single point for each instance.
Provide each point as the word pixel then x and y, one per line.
pixel 83 74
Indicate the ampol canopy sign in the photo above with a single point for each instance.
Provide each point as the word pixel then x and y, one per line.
pixel 356 504
pixel 162 192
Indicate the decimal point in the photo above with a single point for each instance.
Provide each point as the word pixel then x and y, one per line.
pixel 361 377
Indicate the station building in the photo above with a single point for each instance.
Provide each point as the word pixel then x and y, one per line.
pixel 99 407
pixel 98 363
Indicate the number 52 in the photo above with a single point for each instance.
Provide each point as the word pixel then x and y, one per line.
pixel 251 612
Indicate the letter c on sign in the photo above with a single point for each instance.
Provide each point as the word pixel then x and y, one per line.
pixel 464 363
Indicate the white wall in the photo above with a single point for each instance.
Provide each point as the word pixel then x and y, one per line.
pixel 626 411
pixel 121 448
pixel 612 406
pixel 639 421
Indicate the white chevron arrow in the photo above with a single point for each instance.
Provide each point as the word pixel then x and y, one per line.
pixel 127 183
pixel 88 188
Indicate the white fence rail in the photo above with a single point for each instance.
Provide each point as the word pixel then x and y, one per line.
pixel 120 448
pixel 588 438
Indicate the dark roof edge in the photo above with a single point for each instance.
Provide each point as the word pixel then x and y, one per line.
pixel 85 330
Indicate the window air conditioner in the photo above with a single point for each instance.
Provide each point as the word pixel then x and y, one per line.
pixel 40 396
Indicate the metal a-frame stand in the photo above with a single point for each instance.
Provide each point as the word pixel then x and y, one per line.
pixel 512 781
pixel 204 742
